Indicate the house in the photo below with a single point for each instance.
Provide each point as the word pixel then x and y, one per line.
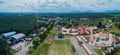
pixel 78 30
pixel 69 31
pixel 18 37
pixel 73 31
pixel 86 29
pixel 8 34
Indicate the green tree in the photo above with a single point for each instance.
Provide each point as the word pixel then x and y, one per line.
pixel 35 42
pixel 99 24
pixel 4 47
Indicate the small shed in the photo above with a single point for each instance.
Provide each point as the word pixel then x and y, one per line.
pixel 60 35
pixel 34 35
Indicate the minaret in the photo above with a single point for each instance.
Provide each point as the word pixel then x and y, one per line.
pixel 91 36
pixel 91 31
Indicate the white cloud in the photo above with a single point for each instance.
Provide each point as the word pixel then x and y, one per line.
pixel 57 5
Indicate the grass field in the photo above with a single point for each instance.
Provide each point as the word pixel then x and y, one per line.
pixel 115 31
pixel 54 47
pixel 98 51
pixel 42 49
pixel 117 53
pixel 61 48
pixel 54 32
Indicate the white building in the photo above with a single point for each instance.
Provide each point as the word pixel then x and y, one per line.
pixel 102 39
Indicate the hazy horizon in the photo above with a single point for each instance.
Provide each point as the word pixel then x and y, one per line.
pixel 60 6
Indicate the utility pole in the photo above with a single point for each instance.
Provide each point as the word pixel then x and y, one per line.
pixel 91 32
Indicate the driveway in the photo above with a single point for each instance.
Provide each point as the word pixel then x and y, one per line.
pixel 24 50
pixel 88 46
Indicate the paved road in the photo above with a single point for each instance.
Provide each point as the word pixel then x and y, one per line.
pixel 79 49
pixel 24 50
pixel 89 46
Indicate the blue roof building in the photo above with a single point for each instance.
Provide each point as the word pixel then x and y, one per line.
pixel 8 34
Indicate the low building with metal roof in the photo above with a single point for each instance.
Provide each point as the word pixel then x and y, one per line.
pixel 18 37
pixel 8 34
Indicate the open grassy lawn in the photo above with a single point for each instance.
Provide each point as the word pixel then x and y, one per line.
pixel 54 47
pixel 115 31
pixel 61 48
pixel 117 53
pixel 98 51
pixel 54 31
pixel 12 51
pixel 66 36
pixel 42 49
pixel 49 39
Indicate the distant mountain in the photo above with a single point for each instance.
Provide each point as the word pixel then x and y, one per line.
pixel 88 11
pixel 74 11
pixel 112 11
pixel 91 11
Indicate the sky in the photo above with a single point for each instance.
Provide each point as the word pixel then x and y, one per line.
pixel 59 5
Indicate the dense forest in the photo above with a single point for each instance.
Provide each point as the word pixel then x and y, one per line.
pixel 26 22
pixel 17 23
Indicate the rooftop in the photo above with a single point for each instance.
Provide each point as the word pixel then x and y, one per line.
pixel 18 36
pixel 9 33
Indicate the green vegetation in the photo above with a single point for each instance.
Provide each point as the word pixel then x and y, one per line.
pixel 79 42
pixel 4 47
pixel 115 31
pixel 35 43
pixel 54 32
pixel 44 43
pixel 114 51
pixel 44 46
pixel 61 48
pixel 117 53
pixel 98 51
pixel 50 46
pixel 12 51
pixel 42 50
pixel 66 36
pixel 26 23
pixel 42 39
pixel 23 24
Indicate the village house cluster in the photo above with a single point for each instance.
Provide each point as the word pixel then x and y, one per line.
pixel 78 30
pixel 91 37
